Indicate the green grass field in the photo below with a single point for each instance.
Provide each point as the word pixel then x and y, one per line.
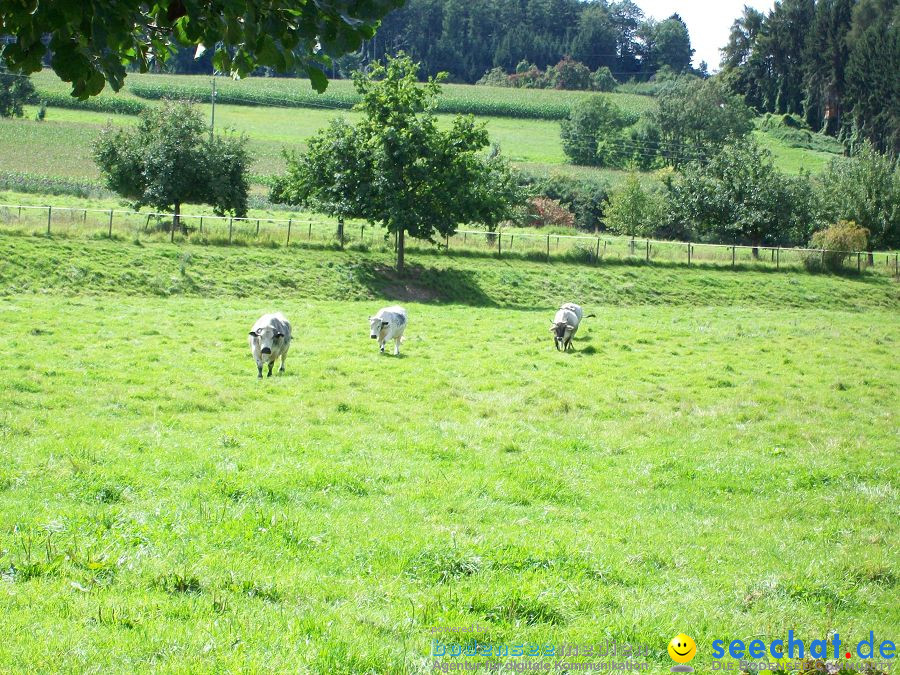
pixel 717 457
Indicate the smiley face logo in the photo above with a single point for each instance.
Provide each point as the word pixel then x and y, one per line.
pixel 682 649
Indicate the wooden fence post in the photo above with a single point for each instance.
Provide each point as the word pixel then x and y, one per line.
pixel 597 251
pixel 733 249
pixel 289 232
pixel 309 234
pixel 230 228
pixel 778 258
pixel 499 245
pixel 858 262
pixel 147 224
pixel 201 224
pixel 257 227
pixel 110 223
pixel 548 248
pixel 648 250
pixel 689 254
pixel 49 216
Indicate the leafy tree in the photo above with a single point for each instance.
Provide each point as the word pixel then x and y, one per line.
pixel 866 190
pixel 397 168
pixel 602 80
pixel 672 45
pixel 633 210
pixel 571 75
pixel 595 42
pixel 590 136
pixel 94 42
pixel 739 197
pixel 169 160
pixel 697 117
pixel 15 91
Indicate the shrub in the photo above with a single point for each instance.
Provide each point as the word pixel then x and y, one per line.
pixel 838 241
pixel 495 77
pixel 570 74
pixel 15 91
pixel 585 197
pixel 546 212
pixel 602 80
pixel 592 133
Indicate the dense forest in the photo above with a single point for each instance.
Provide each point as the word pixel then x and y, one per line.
pixel 466 39
pixel 833 62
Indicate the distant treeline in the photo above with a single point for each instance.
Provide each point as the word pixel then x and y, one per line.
pixel 466 39
pixel 833 62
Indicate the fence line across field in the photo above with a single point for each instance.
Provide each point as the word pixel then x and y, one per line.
pixel 594 248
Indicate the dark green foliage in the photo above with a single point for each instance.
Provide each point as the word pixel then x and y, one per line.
pixel 697 117
pixel 169 160
pixel 467 38
pixel 834 62
pixel 739 197
pixel 397 168
pixel 873 76
pixel 93 43
pixel 590 136
pixel 15 92
pixel 672 45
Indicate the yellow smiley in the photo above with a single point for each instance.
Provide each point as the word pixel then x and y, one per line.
pixel 682 648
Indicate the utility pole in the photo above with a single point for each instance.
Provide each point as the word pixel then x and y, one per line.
pixel 212 123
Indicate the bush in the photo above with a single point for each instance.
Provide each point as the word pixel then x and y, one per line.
pixel 602 80
pixel 585 197
pixel 592 133
pixel 15 91
pixel 545 212
pixel 839 241
pixel 570 74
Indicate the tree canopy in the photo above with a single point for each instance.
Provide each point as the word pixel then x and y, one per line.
pixel 93 42
pixel 169 160
pixel 15 92
pixel 397 168
pixel 834 62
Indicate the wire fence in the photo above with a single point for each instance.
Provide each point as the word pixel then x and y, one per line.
pixel 305 228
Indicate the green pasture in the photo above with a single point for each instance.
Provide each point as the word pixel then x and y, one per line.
pixel 717 457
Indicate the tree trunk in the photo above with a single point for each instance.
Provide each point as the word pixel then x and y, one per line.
pixel 176 219
pixel 400 250
pixel 871 259
pixel 756 252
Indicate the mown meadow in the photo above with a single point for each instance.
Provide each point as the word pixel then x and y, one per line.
pixel 718 456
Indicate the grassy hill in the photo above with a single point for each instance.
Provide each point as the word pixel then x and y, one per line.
pixel 162 509
pixel 279 114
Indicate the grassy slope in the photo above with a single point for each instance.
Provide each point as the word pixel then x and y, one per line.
pixel 711 461
pixel 530 143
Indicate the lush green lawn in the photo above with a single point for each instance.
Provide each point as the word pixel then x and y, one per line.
pixel 716 459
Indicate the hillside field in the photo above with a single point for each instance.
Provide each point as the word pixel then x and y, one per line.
pixel 279 114
pixel 718 456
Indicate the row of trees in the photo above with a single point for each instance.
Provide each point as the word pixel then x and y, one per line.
pixel 395 167
pixel 567 74
pixel 835 62
pixel 467 39
pixel 694 119
pixel 738 196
